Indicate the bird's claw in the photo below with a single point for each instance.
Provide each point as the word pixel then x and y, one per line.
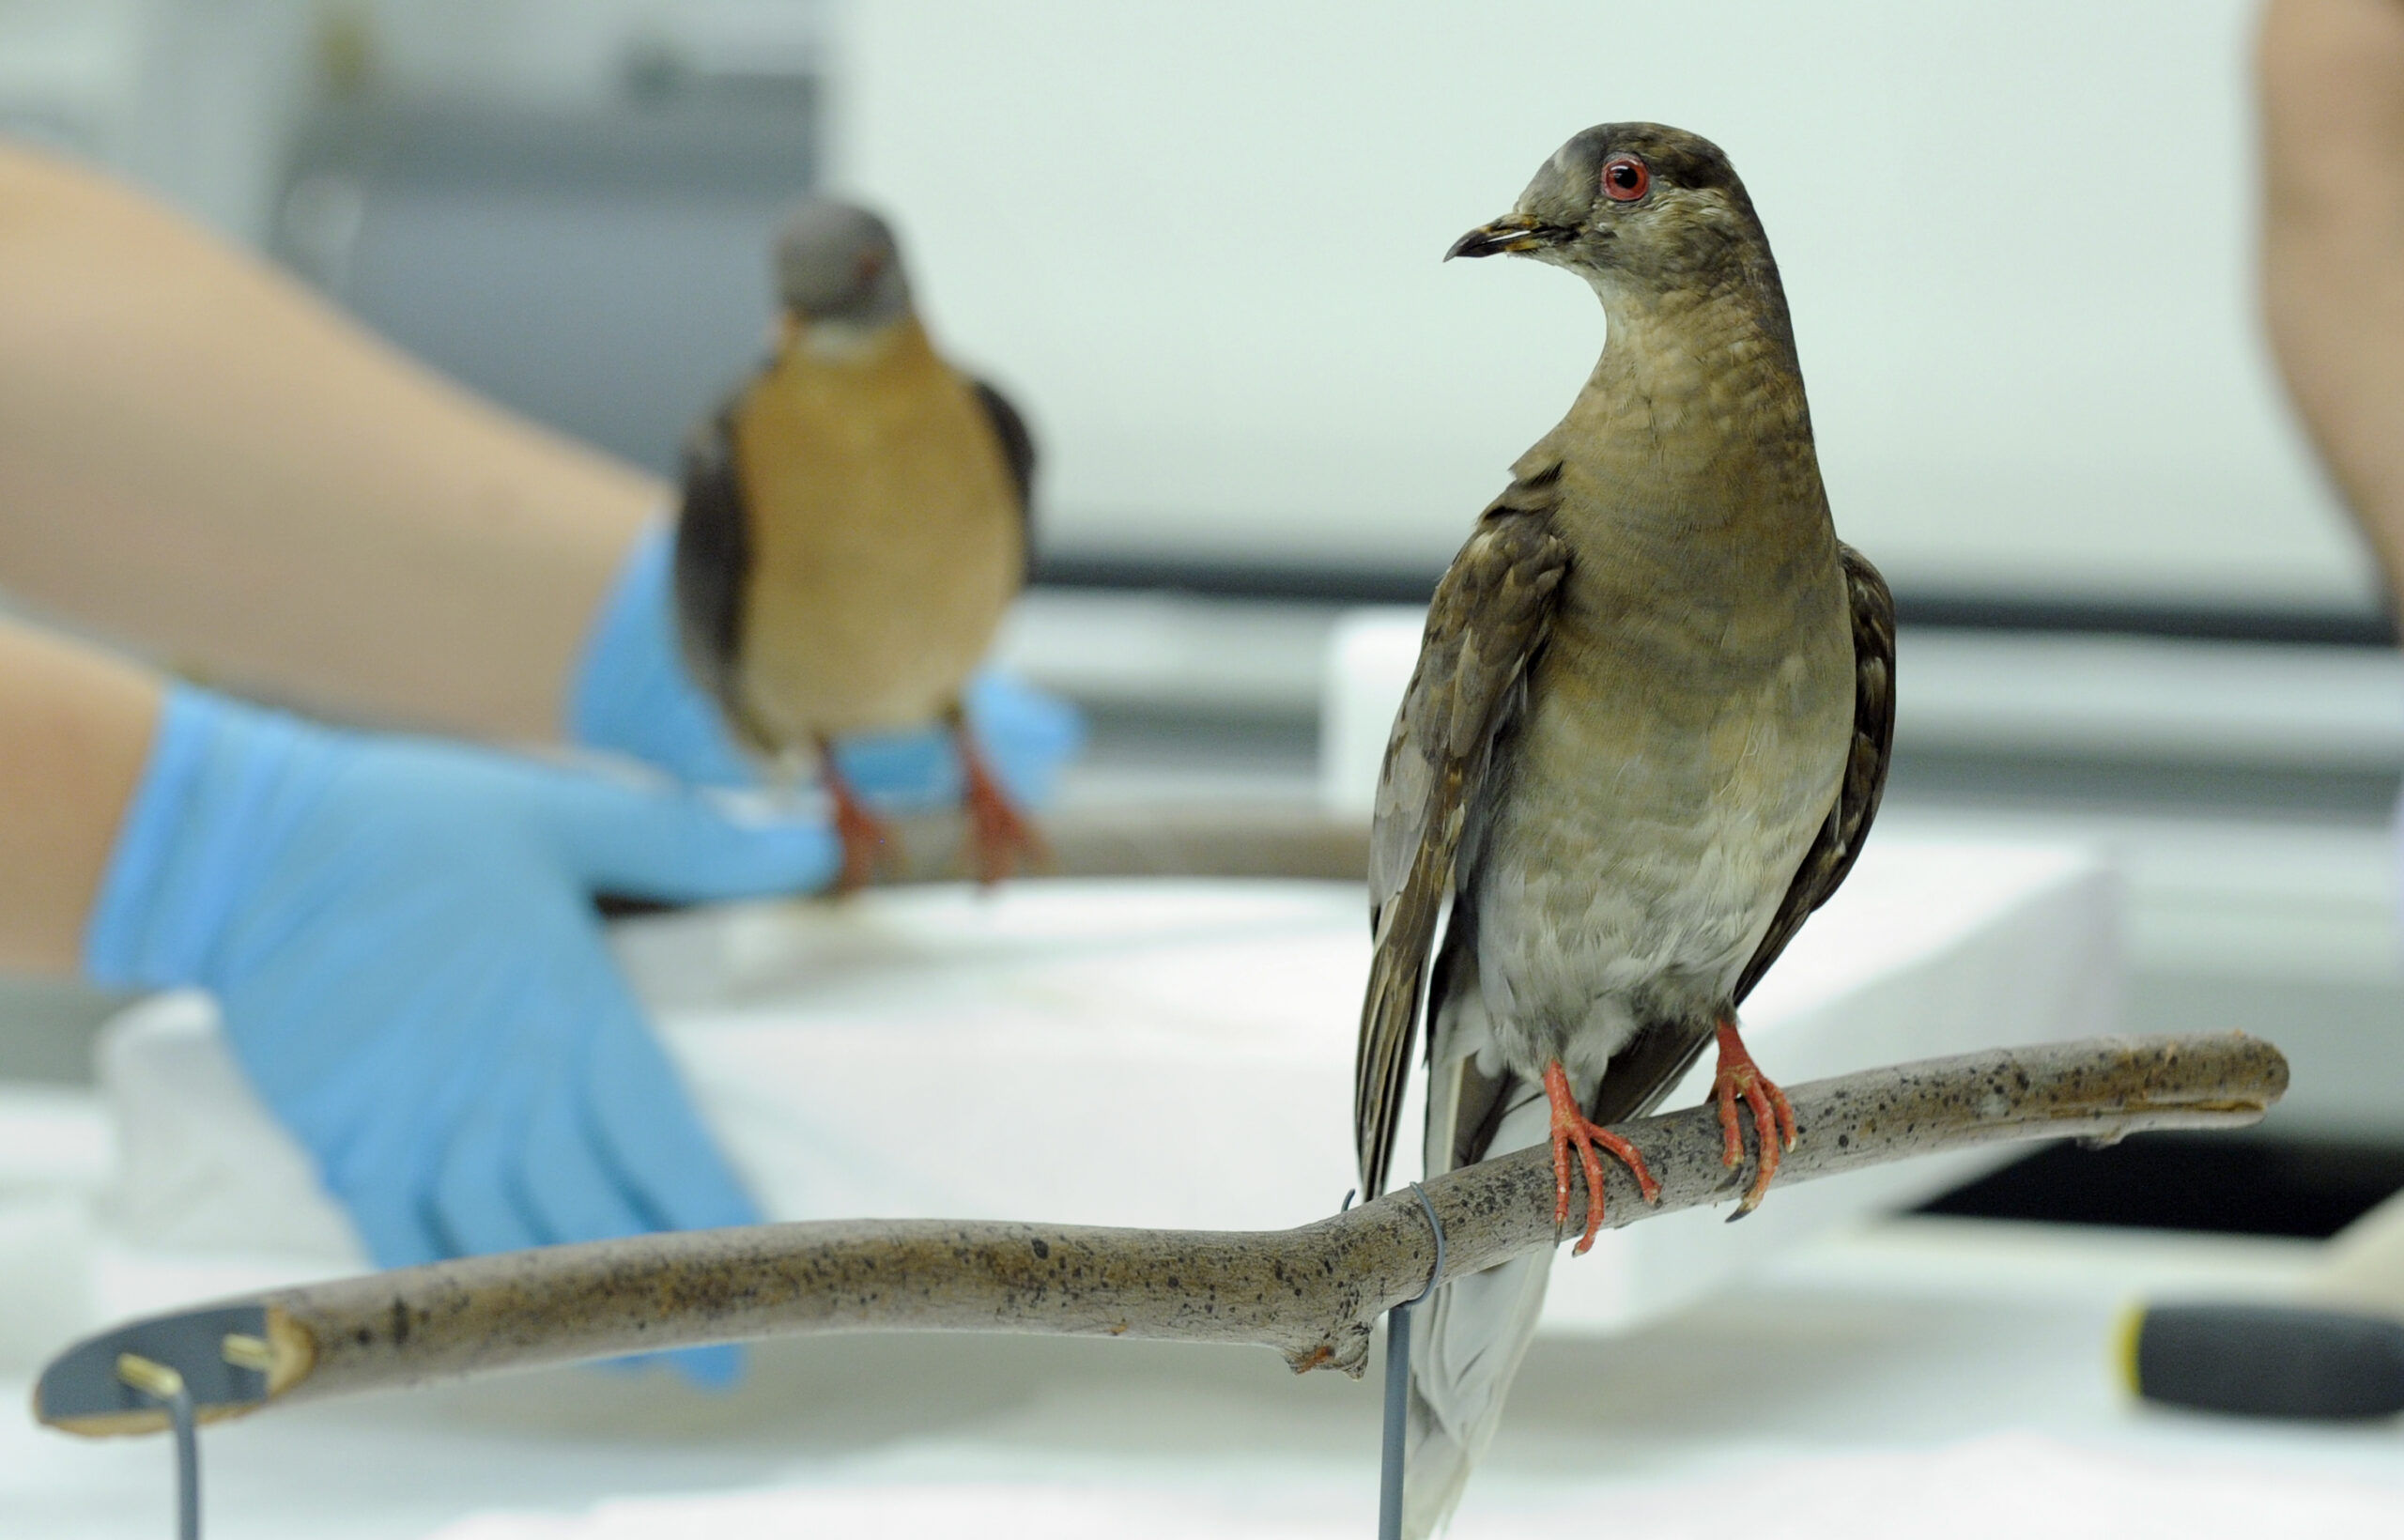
pixel 1002 839
pixel 867 839
pixel 1570 1126
pixel 1737 1077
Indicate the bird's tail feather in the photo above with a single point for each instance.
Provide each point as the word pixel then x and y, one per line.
pixel 1469 1339
pixel 1467 1347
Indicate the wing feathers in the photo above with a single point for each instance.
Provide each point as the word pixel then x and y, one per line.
pixel 713 562
pixel 1018 452
pixel 1488 620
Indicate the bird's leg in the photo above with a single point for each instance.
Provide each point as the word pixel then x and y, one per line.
pixel 866 839
pixel 1003 837
pixel 1773 1118
pixel 1570 1126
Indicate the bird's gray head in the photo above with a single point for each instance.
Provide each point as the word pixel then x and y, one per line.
pixel 1633 206
pixel 836 262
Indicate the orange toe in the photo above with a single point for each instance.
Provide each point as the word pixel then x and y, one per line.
pixel 1739 1078
pixel 1571 1127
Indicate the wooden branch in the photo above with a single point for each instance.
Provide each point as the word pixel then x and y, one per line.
pixel 1312 1293
pixel 1131 840
pixel 1170 839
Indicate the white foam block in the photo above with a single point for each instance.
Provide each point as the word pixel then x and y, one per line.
pixel 1173 1054
pixel 1370 655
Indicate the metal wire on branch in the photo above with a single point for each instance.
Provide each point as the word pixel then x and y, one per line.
pixel 1313 1293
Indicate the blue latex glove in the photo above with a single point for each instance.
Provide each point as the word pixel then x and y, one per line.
pixel 630 695
pixel 400 935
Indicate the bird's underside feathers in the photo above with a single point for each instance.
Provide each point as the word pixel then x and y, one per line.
pixel 714 550
pixel 1487 621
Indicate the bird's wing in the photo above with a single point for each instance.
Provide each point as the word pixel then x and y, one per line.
pixel 1018 452
pixel 713 556
pixel 1489 619
pixel 1832 855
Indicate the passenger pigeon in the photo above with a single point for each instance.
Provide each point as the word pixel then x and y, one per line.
pixel 1648 729
pixel 854 522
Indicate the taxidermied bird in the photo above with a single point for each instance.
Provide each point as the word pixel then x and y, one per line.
pixel 1648 730
pixel 854 522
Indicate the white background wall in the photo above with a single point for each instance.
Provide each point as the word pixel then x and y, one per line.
pixel 1202 242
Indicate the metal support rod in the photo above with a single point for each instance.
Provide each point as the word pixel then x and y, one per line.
pixel 163 1384
pixel 1398 1421
pixel 187 1467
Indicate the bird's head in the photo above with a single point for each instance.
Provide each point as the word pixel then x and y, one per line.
pixel 1632 205
pixel 837 262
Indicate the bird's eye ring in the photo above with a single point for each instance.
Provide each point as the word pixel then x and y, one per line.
pixel 1624 178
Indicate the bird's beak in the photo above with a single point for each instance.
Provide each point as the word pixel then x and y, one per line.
pixel 1511 233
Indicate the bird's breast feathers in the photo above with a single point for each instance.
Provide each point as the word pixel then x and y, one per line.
pixel 886 534
pixel 1649 811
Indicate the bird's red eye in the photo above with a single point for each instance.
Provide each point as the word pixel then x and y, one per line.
pixel 1624 178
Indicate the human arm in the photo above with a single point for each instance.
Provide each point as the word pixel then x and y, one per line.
pixel 2331 75
pixel 76 725
pixel 208 463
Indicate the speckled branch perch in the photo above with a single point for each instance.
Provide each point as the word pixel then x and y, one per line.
pixel 1230 839
pixel 1312 1293
pixel 1151 839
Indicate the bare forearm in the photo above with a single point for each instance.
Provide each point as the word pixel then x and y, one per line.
pixel 76 728
pixel 2332 78
pixel 204 461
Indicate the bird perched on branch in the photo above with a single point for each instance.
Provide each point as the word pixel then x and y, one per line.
pixel 1648 730
pixel 854 522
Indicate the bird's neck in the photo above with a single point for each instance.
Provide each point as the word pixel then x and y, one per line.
pixel 1697 404
pixel 840 340
pixel 1713 362
pixel 1692 445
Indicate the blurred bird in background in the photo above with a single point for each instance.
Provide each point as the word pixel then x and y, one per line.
pixel 854 523
pixel 1647 733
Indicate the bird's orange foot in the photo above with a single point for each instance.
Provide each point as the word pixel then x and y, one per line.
pixel 1003 838
pixel 867 839
pixel 1570 1126
pixel 1773 1116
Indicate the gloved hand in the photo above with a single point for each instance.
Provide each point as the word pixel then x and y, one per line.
pixel 400 935
pixel 630 695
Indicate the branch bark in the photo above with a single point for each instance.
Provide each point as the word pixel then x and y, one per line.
pixel 1131 840
pixel 1313 1293
pixel 1173 840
